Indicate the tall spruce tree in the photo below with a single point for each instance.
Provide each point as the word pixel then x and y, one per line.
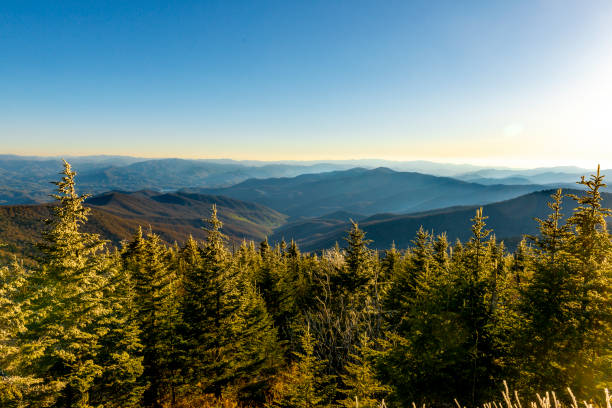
pixel 590 247
pixel 146 260
pixel 120 352
pixel 306 384
pixel 230 338
pixel 69 318
pixel 209 313
pixel 542 348
pixel 361 386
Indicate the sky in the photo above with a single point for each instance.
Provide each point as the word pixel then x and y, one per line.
pixel 520 83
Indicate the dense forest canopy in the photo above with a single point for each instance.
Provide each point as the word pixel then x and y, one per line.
pixel 204 324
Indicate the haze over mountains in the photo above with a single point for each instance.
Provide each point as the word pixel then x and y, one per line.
pixel 366 192
pixel 308 201
pixel 508 219
pixel 25 180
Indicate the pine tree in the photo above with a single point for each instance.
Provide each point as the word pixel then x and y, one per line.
pixel 391 262
pixel 522 264
pixel 591 280
pixel 120 352
pixel 306 384
pixel 155 286
pixel 440 253
pixel 295 290
pixel 362 388
pixel 426 339
pixel 358 259
pixel 405 282
pixel 475 292
pixel 68 317
pixel 210 313
pixel 13 293
pixel 542 345
pixel 258 355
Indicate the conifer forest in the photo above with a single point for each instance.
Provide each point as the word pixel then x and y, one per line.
pixel 212 324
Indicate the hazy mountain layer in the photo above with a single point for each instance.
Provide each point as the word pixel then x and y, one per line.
pixel 367 192
pixel 508 219
pixel 25 180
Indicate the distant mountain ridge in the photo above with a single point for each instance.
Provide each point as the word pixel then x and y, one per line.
pixel 509 220
pixel 24 180
pixel 567 175
pixel 367 192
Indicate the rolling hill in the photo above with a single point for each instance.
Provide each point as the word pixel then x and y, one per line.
pixel 509 220
pixel 25 180
pixel 565 175
pixel 366 192
pixel 116 216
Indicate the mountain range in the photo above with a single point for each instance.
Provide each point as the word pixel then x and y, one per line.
pixel 25 180
pixel 275 200
pixel 117 215
pixel 508 219
pixel 367 192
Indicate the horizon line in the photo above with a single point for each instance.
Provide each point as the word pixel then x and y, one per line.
pixel 481 163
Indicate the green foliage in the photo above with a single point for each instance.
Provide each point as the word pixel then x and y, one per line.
pixel 306 385
pixel 67 317
pixel 229 339
pixel 147 262
pixel 361 385
pixel 159 326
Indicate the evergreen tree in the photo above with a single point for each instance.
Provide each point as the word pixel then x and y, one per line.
pixel 358 259
pixel 475 292
pixel 155 286
pixel 230 338
pixel 68 317
pixel 440 253
pixel 362 388
pixel 13 293
pixel 591 280
pixel 542 348
pixel 258 355
pixel 210 311
pixel 120 352
pixel 306 384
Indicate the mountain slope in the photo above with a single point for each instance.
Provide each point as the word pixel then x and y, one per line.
pixel 116 216
pixel 508 219
pixel 542 175
pixel 366 192
pixel 24 180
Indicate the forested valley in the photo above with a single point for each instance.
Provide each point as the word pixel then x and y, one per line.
pixel 209 324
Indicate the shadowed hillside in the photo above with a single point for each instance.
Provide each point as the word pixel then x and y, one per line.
pixel 367 192
pixel 509 220
pixel 24 179
pixel 117 215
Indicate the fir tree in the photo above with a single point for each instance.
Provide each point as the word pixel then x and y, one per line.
pixel 13 293
pixel 146 260
pixel 543 304
pixel 69 317
pixel 306 385
pixel 358 262
pixel 120 351
pixel 221 318
pixel 362 388
pixel 591 281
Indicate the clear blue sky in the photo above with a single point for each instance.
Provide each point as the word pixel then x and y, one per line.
pixel 516 82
